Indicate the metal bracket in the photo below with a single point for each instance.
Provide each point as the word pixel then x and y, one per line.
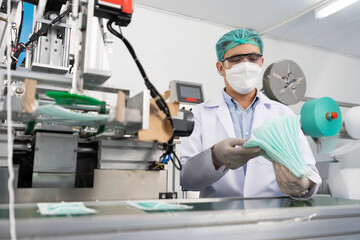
pixel 168 195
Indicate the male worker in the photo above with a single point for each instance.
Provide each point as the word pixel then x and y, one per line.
pixel 214 162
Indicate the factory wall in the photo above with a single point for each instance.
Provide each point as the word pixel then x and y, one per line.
pixel 173 47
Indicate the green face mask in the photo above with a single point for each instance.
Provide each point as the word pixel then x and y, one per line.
pixel 157 206
pixel 280 139
pixel 64 208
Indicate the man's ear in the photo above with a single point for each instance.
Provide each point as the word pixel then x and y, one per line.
pixel 220 69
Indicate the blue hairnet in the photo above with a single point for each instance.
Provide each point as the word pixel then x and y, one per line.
pixel 236 37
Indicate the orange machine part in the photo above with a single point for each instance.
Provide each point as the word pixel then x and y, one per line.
pixel 126 5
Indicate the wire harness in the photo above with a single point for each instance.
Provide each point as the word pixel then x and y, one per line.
pixel 42 31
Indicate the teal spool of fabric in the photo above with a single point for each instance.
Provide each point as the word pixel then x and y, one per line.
pixel 321 117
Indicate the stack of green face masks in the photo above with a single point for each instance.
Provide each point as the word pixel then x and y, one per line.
pixel 280 139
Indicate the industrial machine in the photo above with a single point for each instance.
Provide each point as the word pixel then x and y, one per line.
pixel 65 144
pixel 284 81
pixel 188 94
pixel 322 121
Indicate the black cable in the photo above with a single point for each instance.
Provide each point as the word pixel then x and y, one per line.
pixel 160 102
pixel 21 23
pixel 178 164
pixel 153 91
pixel 42 31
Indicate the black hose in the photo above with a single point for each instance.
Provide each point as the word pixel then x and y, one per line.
pixel 13 63
pixel 21 24
pixel 160 102
pixel 153 91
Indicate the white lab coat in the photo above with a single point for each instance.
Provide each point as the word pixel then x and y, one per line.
pixel 212 124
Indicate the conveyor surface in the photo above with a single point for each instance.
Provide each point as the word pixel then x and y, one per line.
pixel 225 218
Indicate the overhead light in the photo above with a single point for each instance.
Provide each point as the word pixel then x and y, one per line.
pixel 332 7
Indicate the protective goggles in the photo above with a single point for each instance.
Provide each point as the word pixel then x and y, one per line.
pixel 249 57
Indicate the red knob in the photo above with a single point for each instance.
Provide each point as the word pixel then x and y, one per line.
pixel 331 115
pixel 334 115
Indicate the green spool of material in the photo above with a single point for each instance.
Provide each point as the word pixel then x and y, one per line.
pixel 321 117
pixel 65 98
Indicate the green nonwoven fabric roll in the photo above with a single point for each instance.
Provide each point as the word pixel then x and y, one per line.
pixel 321 117
pixel 280 139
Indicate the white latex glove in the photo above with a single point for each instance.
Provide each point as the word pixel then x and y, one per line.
pixel 289 183
pixel 226 153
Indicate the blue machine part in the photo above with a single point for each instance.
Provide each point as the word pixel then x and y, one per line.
pixel 26 27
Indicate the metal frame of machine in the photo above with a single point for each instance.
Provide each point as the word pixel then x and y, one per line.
pixel 57 158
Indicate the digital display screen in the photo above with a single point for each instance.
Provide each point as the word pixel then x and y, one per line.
pixel 190 92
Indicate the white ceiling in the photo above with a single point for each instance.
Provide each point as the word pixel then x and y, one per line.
pixel 339 32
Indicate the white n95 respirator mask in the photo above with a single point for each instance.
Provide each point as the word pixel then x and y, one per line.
pixel 243 77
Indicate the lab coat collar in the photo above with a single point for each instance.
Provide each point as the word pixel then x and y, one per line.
pixel 216 101
pixel 219 99
pixel 263 99
pixel 222 112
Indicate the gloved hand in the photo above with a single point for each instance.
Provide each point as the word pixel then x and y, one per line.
pixel 289 183
pixel 226 153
